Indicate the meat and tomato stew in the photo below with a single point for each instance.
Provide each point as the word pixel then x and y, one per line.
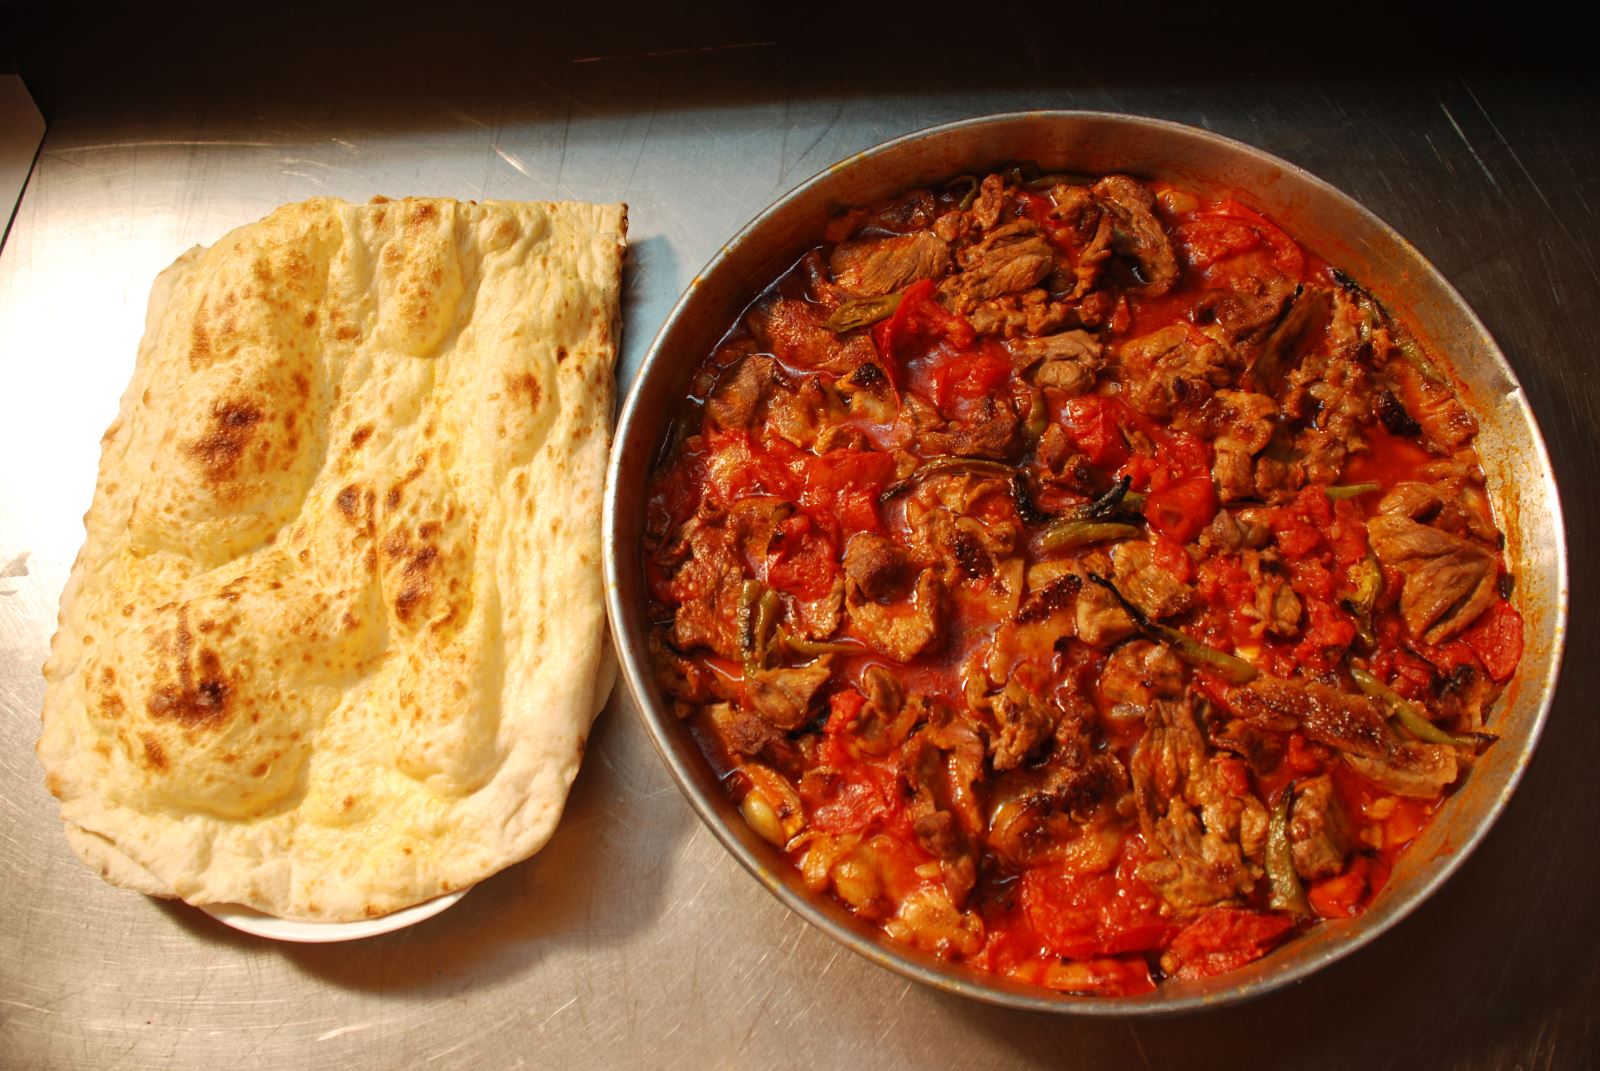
pixel 1078 579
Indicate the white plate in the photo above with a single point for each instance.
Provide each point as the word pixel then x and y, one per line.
pixel 254 922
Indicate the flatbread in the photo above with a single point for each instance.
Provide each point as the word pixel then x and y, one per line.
pixel 336 635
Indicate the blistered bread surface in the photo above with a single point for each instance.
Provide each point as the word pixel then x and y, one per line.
pixel 334 639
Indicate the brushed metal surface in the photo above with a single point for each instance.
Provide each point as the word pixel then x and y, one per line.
pixel 1520 482
pixel 634 939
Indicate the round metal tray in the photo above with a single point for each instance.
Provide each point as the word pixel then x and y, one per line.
pixel 1321 218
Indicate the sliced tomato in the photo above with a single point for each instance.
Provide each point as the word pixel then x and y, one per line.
pixel 1286 254
pixel 843 486
pixel 1341 897
pixel 736 467
pixel 969 376
pixel 1094 424
pixel 1225 939
pixel 801 559
pixel 919 324
pixel 1497 638
pixel 1181 510
pixel 1207 240
pixel 1080 916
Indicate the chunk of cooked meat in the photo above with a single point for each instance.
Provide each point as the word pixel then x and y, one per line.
pixel 1355 725
pixel 990 431
pixel 800 412
pixel 784 696
pixel 1247 310
pixel 1448 581
pixel 1205 841
pixel 1275 354
pixel 1010 259
pixel 1091 228
pixel 1413 769
pixel 745 731
pixel 684 679
pixel 1051 812
pixel 738 397
pixel 1261 748
pixel 874 266
pixel 887 717
pixel 1137 233
pixel 1024 719
pixel 792 330
pixel 1068 361
pixel 708 587
pixel 1101 621
pixel 819 618
pixel 1172 368
pixel 1352 723
pixel 941 765
pixel 1319 832
pixel 1139 672
pixel 1154 590
pixel 1244 424
pixel 892 601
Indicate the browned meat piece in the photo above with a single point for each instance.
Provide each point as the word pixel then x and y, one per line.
pixel 1149 587
pixel 868 394
pixel 887 717
pixel 1101 620
pixel 990 433
pixel 1170 368
pixel 941 765
pixel 1013 258
pixel 1247 312
pixel 1092 228
pixel 1237 530
pixel 745 731
pixel 1432 404
pixel 1066 807
pixel 799 413
pixel 1413 769
pixel 783 696
pixel 1411 498
pixel 1243 423
pixel 1275 354
pixel 991 199
pixel 1139 672
pixel 819 618
pixel 1276 610
pixel 1448 581
pixel 1352 723
pixel 683 679
pixel 738 397
pixel 873 266
pixel 792 331
pixel 1319 833
pixel 1136 233
pixel 1024 719
pixel 1206 843
pixel 1068 361
pixel 892 601
pixel 1261 748
pixel 1029 313
pixel 708 586
pixel 1356 726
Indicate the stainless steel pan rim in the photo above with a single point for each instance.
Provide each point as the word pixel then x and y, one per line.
pixel 1521 483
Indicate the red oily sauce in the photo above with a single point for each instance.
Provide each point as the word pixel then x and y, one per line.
pixel 1080 581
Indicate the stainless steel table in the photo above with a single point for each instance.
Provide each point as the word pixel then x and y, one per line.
pixel 633 939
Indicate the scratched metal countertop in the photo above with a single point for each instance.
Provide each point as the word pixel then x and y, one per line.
pixel 633 938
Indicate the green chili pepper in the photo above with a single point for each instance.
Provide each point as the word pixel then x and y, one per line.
pixel 818 648
pixel 1064 535
pixel 862 312
pixel 1350 490
pixel 942 466
pixel 1366 584
pixel 970 194
pixel 1411 717
pixel 1229 667
pixel 1284 890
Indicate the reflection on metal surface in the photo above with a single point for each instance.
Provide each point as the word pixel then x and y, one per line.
pixel 1325 220
pixel 633 938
